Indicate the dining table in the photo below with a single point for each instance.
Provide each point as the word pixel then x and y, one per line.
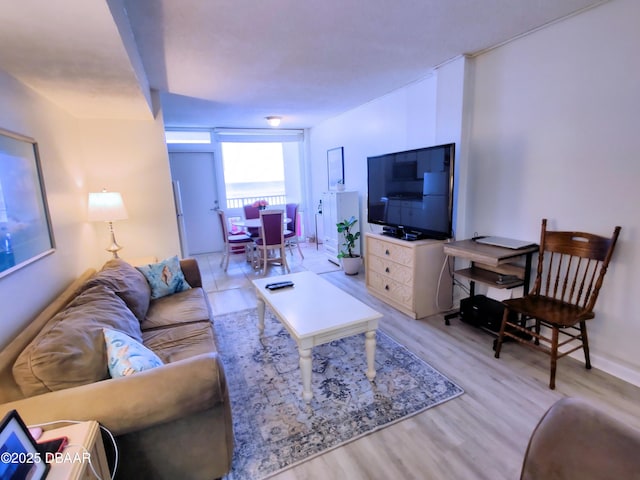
pixel 253 222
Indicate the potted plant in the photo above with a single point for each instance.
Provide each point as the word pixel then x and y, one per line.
pixel 350 261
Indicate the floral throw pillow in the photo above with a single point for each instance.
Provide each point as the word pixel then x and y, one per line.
pixel 165 278
pixel 126 356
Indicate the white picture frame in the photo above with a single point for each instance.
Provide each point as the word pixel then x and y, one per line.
pixel 335 167
pixel 26 234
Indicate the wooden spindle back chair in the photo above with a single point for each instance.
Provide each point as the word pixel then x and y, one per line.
pixel 571 270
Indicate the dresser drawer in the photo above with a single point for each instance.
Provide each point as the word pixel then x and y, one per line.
pixel 391 251
pixel 390 288
pixel 394 271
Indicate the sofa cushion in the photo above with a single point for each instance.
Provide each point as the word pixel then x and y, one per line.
pixel 184 307
pixel 165 277
pixel 70 350
pixel 126 282
pixel 181 341
pixel 125 356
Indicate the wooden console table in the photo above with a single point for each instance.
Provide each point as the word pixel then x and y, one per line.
pixel 491 265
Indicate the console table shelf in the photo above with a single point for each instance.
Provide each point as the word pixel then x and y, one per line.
pixel 490 265
pixel 488 277
pixel 486 254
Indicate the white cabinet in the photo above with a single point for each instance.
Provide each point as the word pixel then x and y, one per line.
pixel 406 275
pixel 336 207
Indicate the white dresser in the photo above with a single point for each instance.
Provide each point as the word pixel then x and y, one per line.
pixel 336 207
pixel 406 274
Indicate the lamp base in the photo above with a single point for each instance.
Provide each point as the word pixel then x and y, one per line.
pixel 114 248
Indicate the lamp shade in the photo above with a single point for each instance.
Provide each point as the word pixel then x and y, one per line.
pixel 106 207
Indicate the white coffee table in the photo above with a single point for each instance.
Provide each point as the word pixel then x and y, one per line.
pixel 314 312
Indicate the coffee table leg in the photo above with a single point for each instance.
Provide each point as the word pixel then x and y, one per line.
pixel 305 372
pixel 370 348
pixel 260 315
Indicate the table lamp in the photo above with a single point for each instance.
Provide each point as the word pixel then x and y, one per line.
pixel 107 207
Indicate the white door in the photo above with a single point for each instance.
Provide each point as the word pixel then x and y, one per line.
pixel 196 174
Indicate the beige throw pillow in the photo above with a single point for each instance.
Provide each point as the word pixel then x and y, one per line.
pixel 126 282
pixel 70 350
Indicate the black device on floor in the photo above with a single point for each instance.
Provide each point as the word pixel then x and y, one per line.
pixel 482 311
pixel 278 285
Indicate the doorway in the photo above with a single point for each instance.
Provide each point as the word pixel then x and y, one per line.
pixel 196 196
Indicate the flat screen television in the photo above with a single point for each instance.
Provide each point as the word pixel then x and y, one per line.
pixel 411 192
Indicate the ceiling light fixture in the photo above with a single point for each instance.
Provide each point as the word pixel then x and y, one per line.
pixel 274 121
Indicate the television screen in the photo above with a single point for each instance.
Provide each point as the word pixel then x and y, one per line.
pixel 412 191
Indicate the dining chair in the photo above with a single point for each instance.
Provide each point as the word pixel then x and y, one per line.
pixel 571 269
pixel 271 239
pixel 291 234
pixel 252 212
pixel 230 240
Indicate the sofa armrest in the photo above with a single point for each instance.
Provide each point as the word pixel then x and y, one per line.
pixel 576 440
pixel 191 272
pixel 136 402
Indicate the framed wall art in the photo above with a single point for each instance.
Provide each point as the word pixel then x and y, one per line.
pixel 335 167
pixel 25 225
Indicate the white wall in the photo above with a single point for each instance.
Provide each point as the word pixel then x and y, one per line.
pixel 79 156
pixel 131 157
pixel 427 112
pixel 555 134
pixel 546 126
pixel 401 120
pixel 24 291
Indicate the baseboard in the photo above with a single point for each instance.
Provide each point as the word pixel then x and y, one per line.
pixel 622 372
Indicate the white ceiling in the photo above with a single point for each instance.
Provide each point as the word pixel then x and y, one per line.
pixel 230 63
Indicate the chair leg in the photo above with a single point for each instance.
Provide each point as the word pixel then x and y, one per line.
pixel 501 334
pixel 265 256
pixel 537 338
pixel 256 258
pixel 554 357
pixel 283 254
pixel 225 257
pixel 299 250
pixel 585 344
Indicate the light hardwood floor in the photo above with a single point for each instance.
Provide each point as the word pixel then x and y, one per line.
pixel 482 434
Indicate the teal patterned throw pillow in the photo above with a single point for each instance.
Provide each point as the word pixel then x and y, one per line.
pixel 165 278
pixel 127 356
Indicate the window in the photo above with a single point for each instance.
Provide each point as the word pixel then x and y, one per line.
pixel 253 171
pixel 188 136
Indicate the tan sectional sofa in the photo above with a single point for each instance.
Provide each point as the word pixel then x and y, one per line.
pixel 172 421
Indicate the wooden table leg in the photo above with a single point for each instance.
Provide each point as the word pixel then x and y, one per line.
pixel 305 372
pixel 370 348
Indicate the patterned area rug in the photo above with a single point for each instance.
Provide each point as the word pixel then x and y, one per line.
pixel 274 429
